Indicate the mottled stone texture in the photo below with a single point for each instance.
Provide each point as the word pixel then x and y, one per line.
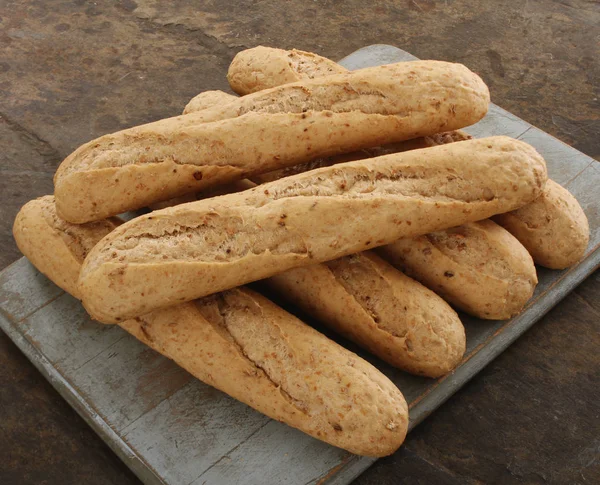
pixel 71 71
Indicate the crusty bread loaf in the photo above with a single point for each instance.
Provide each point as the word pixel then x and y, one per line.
pixel 195 249
pixel 208 99
pixel 265 67
pixel 283 126
pixel 403 146
pixel 55 247
pixel 243 344
pixel 368 301
pixel 553 228
pixel 479 267
pixel 246 346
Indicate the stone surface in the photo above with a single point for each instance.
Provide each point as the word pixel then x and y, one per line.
pixel 71 71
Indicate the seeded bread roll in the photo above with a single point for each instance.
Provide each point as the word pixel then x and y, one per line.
pixel 369 302
pixel 265 67
pixel 478 267
pixel 246 346
pixel 553 228
pixel 208 99
pixel 283 126
pixel 192 250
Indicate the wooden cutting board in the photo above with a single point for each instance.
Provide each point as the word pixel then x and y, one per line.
pixel 169 428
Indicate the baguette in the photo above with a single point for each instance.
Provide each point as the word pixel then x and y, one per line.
pixel 478 267
pixel 484 295
pixel 265 67
pixel 192 250
pixel 55 247
pixel 369 302
pixel 208 99
pixel 283 126
pixel 553 228
pixel 403 146
pixel 481 246
pixel 246 346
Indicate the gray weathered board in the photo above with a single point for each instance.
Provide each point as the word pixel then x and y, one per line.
pixel 169 428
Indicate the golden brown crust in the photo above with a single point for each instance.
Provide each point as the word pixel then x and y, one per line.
pixel 241 343
pixel 208 99
pixel 286 125
pixel 403 146
pixel 368 301
pixel 265 67
pixel 414 329
pixel 54 246
pixel 553 228
pixel 195 249
pixel 478 267
pixel 244 345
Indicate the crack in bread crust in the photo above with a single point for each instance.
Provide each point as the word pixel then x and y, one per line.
pixel 351 272
pixel 79 239
pixel 301 99
pixel 226 311
pixel 433 183
pixel 230 239
pixel 459 243
pixel 310 65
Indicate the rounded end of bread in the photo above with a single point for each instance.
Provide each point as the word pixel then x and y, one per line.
pixel 262 67
pixel 208 99
pixel 442 342
pixel 259 68
pixel 35 237
pixel 478 267
pixel 517 170
pixel 553 228
pixel 470 98
pixel 389 419
pixel 99 285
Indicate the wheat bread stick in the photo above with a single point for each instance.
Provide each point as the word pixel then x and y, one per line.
pixel 265 67
pixel 188 251
pixel 478 267
pixel 553 228
pixel 270 129
pixel 244 345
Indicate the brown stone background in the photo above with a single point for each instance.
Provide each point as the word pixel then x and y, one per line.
pixel 73 70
